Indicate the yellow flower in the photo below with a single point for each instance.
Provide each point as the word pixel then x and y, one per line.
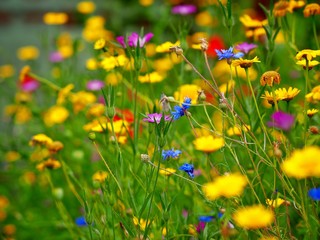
pixel 248 22
pixel 141 223
pixel 40 139
pixel 303 163
pixel 227 87
pixel 92 64
pixel 253 217
pixel 314 95
pixel 51 163
pixel 100 176
pixel 164 47
pixel 311 63
pixel 39 154
pixel 307 54
pixel 269 78
pixel 146 3
pixel 6 71
pixel 280 8
pixel 256 33
pixel 55 115
pixel 204 19
pixel 55 147
pixel 167 171
pixel 100 44
pixel 312 112
pixel 55 18
pixel 66 51
pixel 237 130
pixel 287 94
pixel 12 156
pixel 272 98
pixel 163 64
pixel 86 7
pixel 28 53
pixel 120 126
pixel 151 78
pixel 109 63
pixel 245 63
pixel 221 71
pixel 187 90
pixel 113 78
pixel 82 99
pixel 311 9
pixel 230 185
pixel 64 93
pixel 208 143
pixel 275 202
pixel 96 110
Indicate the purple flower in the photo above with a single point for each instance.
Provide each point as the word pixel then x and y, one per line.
pixel 314 193
pixel 134 40
pixel 55 57
pixel 200 227
pixel 228 54
pixel 184 9
pixel 246 47
pixel 281 120
pixel 180 111
pixel 188 168
pixel 170 153
pixel 95 85
pixel 156 117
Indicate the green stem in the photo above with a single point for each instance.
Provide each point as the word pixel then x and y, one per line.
pixel 314 27
pixel 45 81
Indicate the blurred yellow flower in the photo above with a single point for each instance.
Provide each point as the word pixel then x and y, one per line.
pixel 237 130
pixel 40 139
pixel 227 87
pixel 311 63
pixel 28 53
pixel 12 156
pixel 55 115
pixel 307 54
pixel 66 51
pixel 109 63
pixel 164 47
pixel 314 95
pixel 152 77
pixel 187 90
pixel 51 163
pixel 6 71
pixel 312 112
pixel 248 22
pixel 275 202
pixel 141 223
pixel 303 163
pixel 230 185
pixel 96 110
pixel 86 7
pixel 253 217
pixel 163 64
pixel 96 125
pixel 100 176
pixel 100 44
pixel 55 147
pixel 245 63
pixel 39 154
pixel 82 99
pixel 208 143
pixel 64 93
pixel 146 3
pixel 92 64
pixel 204 19
pixel 113 78
pixel 167 171
pixel 269 78
pixel 120 126
pixel 55 18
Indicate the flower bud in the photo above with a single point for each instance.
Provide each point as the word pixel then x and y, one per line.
pixel 92 136
pixel 58 193
pixel 110 112
pixel 145 157
pixel 314 129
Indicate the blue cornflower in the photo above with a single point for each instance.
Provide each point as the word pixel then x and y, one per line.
pixel 206 218
pixel 170 153
pixel 180 111
pixel 228 54
pixel 314 193
pixel 81 221
pixel 188 168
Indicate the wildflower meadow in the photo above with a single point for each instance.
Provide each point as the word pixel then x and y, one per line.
pixel 163 119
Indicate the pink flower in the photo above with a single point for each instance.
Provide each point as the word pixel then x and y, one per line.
pixel 156 118
pixel 281 120
pixel 95 85
pixel 29 84
pixel 134 40
pixel 246 47
pixel 184 9
pixel 55 57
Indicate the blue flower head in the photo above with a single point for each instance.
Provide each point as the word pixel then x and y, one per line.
pixel 180 111
pixel 81 221
pixel 228 54
pixel 314 193
pixel 170 153
pixel 206 218
pixel 188 168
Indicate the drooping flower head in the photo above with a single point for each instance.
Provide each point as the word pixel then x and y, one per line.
pixel 171 153
pixel 134 40
pixel 156 118
pixel 184 9
pixel 188 168
pixel 26 82
pixel 228 54
pixel 281 120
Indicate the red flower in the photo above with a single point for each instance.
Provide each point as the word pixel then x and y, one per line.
pixel 215 42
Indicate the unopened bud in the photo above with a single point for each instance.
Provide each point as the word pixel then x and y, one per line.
pixel 58 193
pixel 314 129
pixel 110 112
pixel 177 49
pixel 201 96
pixel 92 136
pixel 145 157
pixel 204 44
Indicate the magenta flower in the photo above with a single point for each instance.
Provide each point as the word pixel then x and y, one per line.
pixel 134 40
pixel 55 57
pixel 29 84
pixel 95 85
pixel 281 120
pixel 156 118
pixel 246 47
pixel 184 9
